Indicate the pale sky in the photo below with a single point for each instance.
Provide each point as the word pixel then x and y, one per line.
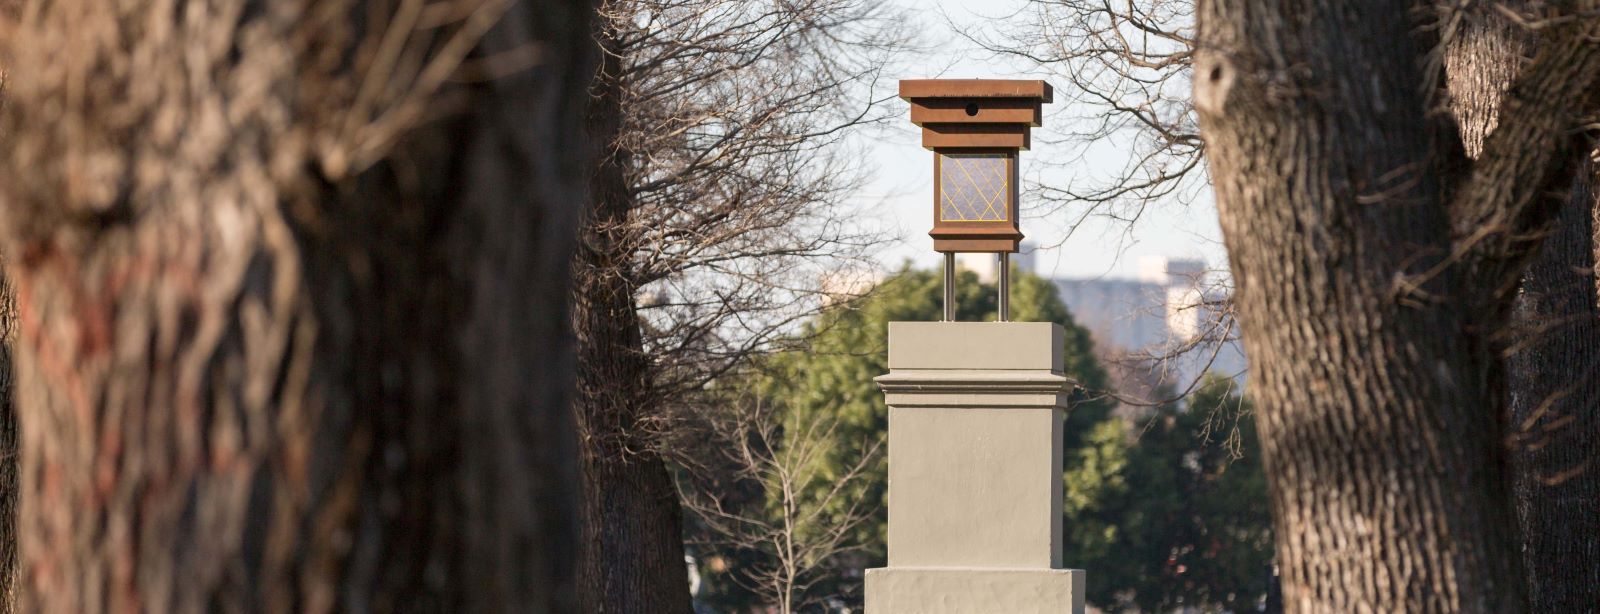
pixel 901 193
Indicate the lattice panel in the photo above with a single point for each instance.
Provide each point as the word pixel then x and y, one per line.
pixel 973 187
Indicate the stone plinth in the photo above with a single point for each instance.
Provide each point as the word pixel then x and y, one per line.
pixel 975 428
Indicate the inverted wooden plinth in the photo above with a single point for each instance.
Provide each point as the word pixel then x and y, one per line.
pixel 965 113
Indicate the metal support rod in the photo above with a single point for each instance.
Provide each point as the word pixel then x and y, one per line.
pixel 949 286
pixel 1005 287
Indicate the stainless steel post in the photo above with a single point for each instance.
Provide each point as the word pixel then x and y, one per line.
pixel 1005 287
pixel 950 287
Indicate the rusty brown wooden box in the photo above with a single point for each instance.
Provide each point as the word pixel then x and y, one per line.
pixel 975 128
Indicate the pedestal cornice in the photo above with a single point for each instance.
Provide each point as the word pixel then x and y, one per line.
pixel 975 388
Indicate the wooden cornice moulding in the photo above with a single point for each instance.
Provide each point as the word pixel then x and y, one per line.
pixel 1019 111
pixel 961 113
pixel 977 136
pixel 976 88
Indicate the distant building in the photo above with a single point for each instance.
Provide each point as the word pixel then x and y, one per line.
pixel 1160 314
pixel 846 284
pixel 987 266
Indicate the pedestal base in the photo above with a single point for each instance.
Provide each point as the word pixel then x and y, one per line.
pixel 946 590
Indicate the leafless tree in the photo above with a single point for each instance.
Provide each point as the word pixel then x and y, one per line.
pixel 1172 369
pixel 804 524
pixel 1124 59
pixel 1378 255
pixel 1123 68
pixel 715 212
pixel 291 283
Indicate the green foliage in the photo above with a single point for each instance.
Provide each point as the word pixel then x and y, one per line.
pixel 1175 513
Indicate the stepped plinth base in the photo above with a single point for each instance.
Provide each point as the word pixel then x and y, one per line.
pixel 974 591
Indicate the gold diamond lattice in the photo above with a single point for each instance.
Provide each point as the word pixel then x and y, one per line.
pixel 972 187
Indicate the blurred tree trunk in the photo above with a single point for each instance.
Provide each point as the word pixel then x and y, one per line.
pixel 632 550
pixel 1374 264
pixel 291 290
pixel 1551 343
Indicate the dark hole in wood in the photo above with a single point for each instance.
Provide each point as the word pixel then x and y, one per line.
pixel 972 109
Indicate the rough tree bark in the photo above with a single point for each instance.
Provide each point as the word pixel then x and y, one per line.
pixel 8 452
pixel 1554 383
pixel 1373 261
pixel 8 415
pixel 1551 344
pixel 291 285
pixel 1550 338
pixel 632 555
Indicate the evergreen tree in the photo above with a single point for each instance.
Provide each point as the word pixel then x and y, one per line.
pixel 1174 513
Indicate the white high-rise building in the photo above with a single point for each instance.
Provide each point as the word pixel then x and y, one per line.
pixel 1161 313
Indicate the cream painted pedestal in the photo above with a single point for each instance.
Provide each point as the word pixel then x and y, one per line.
pixel 975 429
